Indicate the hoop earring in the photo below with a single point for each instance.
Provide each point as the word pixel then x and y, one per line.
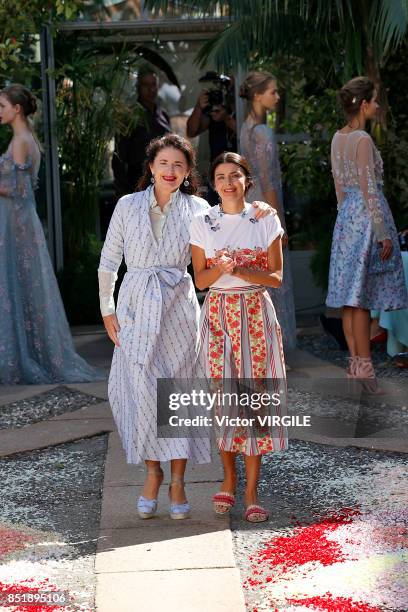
pixel 152 180
pixel 186 182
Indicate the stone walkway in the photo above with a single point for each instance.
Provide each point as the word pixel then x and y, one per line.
pixel 185 566
pixel 138 565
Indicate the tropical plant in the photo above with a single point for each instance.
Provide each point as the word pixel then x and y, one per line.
pixel 20 25
pixel 92 107
pixel 370 29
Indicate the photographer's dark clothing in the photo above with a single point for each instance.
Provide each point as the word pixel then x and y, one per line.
pixel 130 151
pixel 220 138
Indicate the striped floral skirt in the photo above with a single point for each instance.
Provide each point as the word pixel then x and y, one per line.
pixel 240 338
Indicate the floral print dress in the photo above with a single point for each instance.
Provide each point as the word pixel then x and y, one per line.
pixel 358 277
pixel 240 336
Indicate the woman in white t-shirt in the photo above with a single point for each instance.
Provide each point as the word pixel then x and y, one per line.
pixel 237 256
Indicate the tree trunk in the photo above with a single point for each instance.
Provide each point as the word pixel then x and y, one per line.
pixel 379 127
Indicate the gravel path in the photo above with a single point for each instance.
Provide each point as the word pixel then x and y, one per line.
pixel 325 347
pixel 49 521
pixel 337 536
pixel 43 406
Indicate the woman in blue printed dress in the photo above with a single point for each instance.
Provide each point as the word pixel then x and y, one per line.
pixel 35 341
pixel 366 269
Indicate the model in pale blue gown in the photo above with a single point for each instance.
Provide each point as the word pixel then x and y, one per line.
pixel 35 340
pixel 258 146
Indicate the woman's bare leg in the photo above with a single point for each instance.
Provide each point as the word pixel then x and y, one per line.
pixel 347 319
pixel 154 478
pixel 230 472
pixel 252 469
pixel 177 493
pixel 361 331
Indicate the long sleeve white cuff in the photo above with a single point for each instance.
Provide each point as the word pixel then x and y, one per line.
pixel 107 281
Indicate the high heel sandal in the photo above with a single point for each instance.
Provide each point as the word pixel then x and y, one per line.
pixel 177 510
pixel 223 502
pixel 365 372
pixel 147 508
pixel 351 369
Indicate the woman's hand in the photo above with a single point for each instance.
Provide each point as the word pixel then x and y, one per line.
pixel 240 272
pixel 112 327
pixel 263 209
pixel 226 265
pixel 386 249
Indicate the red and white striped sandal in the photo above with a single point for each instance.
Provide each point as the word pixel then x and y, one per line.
pixel 256 514
pixel 223 502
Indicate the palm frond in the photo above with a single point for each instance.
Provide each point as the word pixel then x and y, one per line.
pixel 392 23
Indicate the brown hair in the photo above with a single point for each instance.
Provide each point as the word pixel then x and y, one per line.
pixel 232 158
pixel 353 93
pixel 18 94
pixel 176 142
pixel 255 82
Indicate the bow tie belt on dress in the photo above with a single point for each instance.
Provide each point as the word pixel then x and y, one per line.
pixel 147 312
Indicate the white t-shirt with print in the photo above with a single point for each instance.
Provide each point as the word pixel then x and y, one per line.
pixel 240 236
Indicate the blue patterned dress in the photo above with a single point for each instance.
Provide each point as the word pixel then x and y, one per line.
pixel 158 314
pixel 258 146
pixel 358 277
pixel 36 346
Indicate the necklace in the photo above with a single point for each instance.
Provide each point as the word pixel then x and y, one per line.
pixel 242 214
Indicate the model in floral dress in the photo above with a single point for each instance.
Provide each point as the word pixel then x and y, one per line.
pixel 236 256
pixel 366 270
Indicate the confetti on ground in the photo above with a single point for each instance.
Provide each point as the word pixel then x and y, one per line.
pixel 49 522
pixel 337 539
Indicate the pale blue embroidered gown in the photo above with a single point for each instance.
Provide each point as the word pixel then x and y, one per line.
pixel 358 277
pixel 35 340
pixel 158 314
pixel 258 146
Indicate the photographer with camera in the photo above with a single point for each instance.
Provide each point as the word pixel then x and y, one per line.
pixel 214 111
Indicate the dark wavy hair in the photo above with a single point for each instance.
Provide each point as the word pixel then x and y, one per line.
pixel 232 158
pixel 176 142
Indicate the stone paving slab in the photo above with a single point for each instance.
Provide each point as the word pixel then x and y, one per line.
pixel 214 590
pixel 15 393
pixel 176 546
pixel 100 389
pixel 120 473
pixel 177 550
pixel 50 433
pixel 119 507
pixel 310 365
pixel 98 411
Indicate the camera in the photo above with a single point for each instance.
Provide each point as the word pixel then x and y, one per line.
pixel 220 92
